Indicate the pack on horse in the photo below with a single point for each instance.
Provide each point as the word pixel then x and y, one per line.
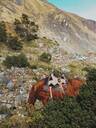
pixel 41 90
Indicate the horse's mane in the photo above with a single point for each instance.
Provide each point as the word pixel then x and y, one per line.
pixel 42 82
pixel 46 80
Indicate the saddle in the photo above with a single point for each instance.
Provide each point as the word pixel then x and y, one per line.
pixel 55 87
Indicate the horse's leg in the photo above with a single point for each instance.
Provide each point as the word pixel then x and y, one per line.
pixel 44 102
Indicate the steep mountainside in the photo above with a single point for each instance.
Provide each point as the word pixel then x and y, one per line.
pixel 73 33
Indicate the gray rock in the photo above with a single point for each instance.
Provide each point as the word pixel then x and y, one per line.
pixel 2 116
pixel 1 77
pixel 1 93
pixel 19 99
pixel 10 85
pixel 22 90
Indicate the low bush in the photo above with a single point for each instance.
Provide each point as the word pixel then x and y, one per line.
pixel 26 29
pixel 3 34
pixel 16 61
pixel 74 112
pixel 46 57
pixel 14 43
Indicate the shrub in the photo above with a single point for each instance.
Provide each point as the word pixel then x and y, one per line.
pixel 4 110
pixel 26 28
pixel 73 112
pixel 29 120
pixel 16 61
pixel 25 19
pixel 33 66
pixel 57 72
pixel 46 57
pixel 3 34
pixel 14 43
pixel 91 75
pixel 8 40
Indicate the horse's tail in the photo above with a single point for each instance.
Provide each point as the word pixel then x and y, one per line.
pixel 32 97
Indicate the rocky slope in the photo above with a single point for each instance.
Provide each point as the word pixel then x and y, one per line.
pixel 69 33
pixel 73 33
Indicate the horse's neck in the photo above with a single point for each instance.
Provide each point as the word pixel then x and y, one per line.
pixel 42 82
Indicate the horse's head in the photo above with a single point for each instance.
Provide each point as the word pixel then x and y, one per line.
pixel 35 89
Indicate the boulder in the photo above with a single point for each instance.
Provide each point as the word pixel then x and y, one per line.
pixel 10 85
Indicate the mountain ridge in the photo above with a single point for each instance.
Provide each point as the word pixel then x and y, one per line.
pixel 74 33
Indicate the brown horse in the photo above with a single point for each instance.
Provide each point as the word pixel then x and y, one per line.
pixel 41 91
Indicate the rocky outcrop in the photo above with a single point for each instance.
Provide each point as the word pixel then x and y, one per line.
pixel 90 24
